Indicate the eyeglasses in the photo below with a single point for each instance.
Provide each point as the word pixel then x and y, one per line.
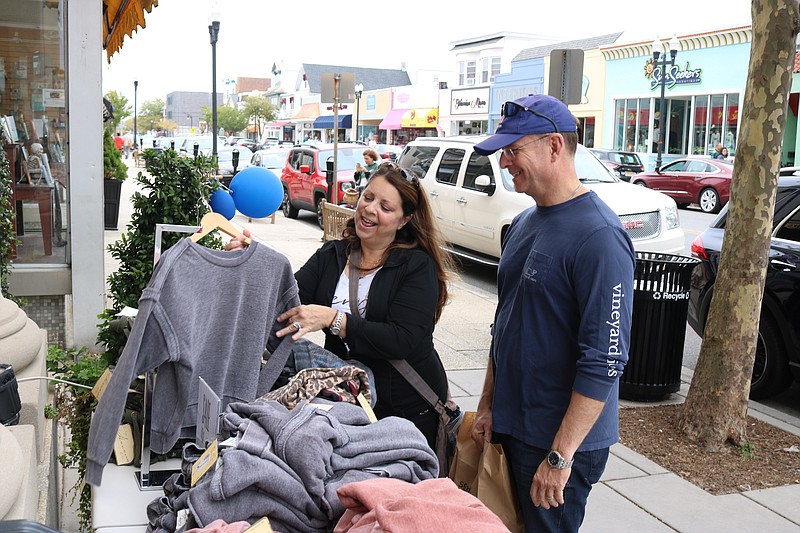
pixel 509 109
pixel 408 175
pixel 511 153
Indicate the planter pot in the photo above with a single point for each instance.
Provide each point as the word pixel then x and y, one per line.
pixel 111 193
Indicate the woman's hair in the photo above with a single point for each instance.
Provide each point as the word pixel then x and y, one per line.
pixel 372 153
pixel 420 232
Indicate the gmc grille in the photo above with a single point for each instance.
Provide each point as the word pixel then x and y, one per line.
pixel 641 225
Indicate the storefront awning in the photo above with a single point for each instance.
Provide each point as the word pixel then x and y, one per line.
pixel 121 18
pixel 420 118
pixel 325 122
pixel 307 111
pixel 392 120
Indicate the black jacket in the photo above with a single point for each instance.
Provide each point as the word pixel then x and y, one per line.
pixel 399 322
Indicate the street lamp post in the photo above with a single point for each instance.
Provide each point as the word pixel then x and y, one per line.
pixel 213 32
pixel 662 64
pixel 359 88
pixel 135 135
pixel 191 122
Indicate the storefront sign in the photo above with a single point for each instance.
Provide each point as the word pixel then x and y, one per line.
pixel 675 76
pixel 469 101
pixel 53 97
pixel 420 118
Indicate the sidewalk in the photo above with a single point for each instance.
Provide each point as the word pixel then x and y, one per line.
pixel 635 495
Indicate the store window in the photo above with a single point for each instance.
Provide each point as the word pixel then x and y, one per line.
pixel 587 131
pixel 619 124
pixel 490 67
pixel 33 120
pixel 731 126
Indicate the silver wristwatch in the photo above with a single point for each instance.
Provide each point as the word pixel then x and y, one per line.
pixel 336 325
pixel 556 460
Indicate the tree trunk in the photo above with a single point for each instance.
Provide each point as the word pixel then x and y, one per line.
pixel 716 406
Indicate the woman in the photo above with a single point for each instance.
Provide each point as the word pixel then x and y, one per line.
pixel 401 293
pixel 362 174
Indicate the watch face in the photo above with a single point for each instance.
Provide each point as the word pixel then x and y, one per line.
pixel 553 459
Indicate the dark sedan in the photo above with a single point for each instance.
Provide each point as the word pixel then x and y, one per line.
pixel 623 164
pixel 778 349
pixel 702 181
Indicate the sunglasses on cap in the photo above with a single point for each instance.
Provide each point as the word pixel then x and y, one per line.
pixel 509 109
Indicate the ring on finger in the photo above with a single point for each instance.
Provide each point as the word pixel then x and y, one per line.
pixel 296 326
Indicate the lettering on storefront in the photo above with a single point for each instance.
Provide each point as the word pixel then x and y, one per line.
pixel 469 102
pixel 674 76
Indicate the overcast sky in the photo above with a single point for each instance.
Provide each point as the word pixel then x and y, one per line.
pixel 173 52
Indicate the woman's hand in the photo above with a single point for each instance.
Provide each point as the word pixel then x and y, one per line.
pixel 305 319
pixel 237 243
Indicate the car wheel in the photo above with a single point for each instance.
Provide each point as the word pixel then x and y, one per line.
pixel 709 201
pixel 771 369
pixel 289 211
pixel 320 199
pixel 641 184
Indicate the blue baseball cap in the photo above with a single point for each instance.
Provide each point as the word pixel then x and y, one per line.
pixel 529 115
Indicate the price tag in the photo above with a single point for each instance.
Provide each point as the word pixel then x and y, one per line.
pixel 262 526
pixel 102 382
pixel 124 445
pixel 204 463
pixel 362 401
pixel 208 406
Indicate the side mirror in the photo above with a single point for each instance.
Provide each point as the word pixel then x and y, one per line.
pixel 486 184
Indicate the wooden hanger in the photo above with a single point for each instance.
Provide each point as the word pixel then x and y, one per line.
pixel 214 221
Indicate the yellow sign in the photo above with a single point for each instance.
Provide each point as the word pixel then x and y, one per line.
pixel 205 463
pixel 420 118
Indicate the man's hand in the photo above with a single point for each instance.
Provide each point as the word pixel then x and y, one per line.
pixel 547 489
pixel 482 428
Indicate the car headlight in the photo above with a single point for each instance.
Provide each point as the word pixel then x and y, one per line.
pixel 671 216
pixel 344 185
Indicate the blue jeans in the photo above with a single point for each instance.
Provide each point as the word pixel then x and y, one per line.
pixel 524 460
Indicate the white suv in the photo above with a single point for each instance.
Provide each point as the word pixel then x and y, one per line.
pixel 474 199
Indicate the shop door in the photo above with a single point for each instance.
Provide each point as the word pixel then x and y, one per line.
pixel 677 127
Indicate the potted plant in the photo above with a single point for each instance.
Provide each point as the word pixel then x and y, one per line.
pixel 8 239
pixel 114 173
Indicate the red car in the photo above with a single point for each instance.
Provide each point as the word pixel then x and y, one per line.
pixel 697 180
pixel 304 180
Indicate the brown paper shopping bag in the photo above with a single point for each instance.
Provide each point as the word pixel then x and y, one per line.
pixel 495 488
pixel 485 474
pixel 466 460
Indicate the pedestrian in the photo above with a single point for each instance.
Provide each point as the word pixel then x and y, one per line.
pixel 402 272
pixel 562 326
pixel 362 174
pixel 717 151
pixel 373 140
pixel 127 143
pixel 118 141
pixel 723 153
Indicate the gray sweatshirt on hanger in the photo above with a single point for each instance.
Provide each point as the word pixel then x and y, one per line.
pixel 206 313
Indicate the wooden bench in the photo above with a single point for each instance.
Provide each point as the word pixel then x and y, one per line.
pixel 334 218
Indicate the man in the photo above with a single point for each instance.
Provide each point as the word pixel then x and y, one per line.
pixel 127 144
pixel 562 326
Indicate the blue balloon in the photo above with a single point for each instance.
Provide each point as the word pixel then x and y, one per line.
pixel 257 192
pixel 221 202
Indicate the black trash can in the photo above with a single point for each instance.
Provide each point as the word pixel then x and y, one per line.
pixel 112 191
pixel 660 302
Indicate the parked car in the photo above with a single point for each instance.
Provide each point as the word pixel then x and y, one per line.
pixel 225 172
pixel 778 347
pixel 273 159
pixel 388 151
pixel 697 180
pixel 623 164
pixel 249 143
pixel 474 199
pixel 304 180
pixel 232 140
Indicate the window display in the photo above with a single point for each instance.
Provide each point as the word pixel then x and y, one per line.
pixel 33 111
